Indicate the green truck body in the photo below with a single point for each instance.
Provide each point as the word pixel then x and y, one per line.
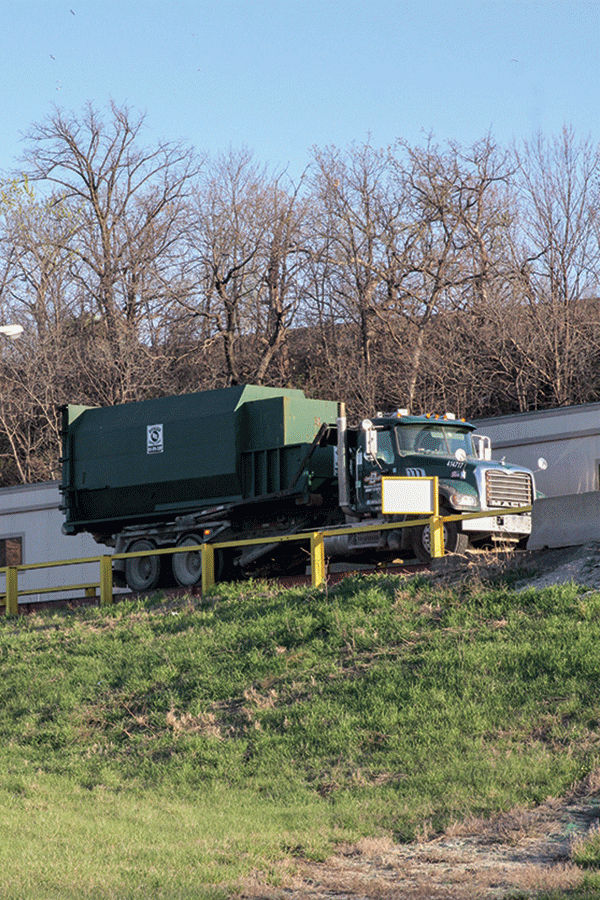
pixel 153 459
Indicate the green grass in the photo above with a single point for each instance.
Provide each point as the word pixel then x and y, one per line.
pixel 175 750
pixel 62 841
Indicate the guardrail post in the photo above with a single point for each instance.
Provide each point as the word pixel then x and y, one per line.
pixel 317 559
pixel 207 554
pixel 106 581
pixel 436 530
pixel 436 525
pixel 12 591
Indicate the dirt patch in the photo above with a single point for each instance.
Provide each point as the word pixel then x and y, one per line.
pixel 526 850
pixel 580 565
pixel 532 569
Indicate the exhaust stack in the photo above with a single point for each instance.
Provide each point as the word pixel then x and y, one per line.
pixel 342 463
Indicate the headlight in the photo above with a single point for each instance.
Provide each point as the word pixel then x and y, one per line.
pixel 462 501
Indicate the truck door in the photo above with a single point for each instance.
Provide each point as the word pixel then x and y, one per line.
pixel 371 468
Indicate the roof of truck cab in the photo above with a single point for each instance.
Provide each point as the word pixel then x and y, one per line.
pixel 395 419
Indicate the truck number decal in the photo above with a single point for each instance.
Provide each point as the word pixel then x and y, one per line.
pixel 154 439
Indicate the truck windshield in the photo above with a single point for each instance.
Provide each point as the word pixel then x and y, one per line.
pixel 435 439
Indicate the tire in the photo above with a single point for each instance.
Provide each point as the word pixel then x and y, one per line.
pixel 224 567
pixel 187 567
pixel 454 540
pixel 142 573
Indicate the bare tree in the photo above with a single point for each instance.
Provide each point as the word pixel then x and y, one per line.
pixel 126 208
pixel 361 229
pixel 427 276
pixel 90 256
pixel 553 326
pixel 456 203
pixel 29 410
pixel 246 240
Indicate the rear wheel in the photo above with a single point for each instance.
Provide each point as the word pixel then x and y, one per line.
pixel 454 540
pixel 142 573
pixel 187 567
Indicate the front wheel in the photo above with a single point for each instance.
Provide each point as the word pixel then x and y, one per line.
pixel 454 540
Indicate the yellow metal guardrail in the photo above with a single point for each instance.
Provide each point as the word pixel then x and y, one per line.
pixel 10 600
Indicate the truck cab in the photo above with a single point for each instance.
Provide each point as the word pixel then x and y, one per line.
pixel 468 479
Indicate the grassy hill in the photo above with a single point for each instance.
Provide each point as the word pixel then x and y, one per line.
pixel 175 749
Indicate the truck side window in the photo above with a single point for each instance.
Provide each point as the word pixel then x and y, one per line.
pixel 405 435
pixel 385 449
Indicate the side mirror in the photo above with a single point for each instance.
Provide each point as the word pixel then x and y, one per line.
pixel 483 446
pixel 370 439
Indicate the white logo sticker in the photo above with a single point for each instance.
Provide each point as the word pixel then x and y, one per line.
pixel 154 439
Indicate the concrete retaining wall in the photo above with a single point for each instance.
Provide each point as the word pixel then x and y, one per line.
pixel 567 521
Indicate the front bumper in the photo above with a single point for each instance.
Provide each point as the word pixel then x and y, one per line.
pixel 508 524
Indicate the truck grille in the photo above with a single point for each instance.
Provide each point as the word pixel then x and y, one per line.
pixel 506 489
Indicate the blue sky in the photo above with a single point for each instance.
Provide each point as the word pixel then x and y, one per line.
pixel 279 76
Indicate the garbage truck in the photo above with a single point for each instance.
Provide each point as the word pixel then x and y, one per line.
pixel 245 462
